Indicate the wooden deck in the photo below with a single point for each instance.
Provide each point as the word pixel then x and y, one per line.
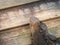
pixel 11 20
pixel 22 35
pixel 49 13
pixel 18 16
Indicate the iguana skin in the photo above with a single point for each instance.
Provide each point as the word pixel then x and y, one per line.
pixel 39 36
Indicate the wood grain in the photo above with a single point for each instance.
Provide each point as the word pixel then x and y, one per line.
pixel 18 16
pixel 11 3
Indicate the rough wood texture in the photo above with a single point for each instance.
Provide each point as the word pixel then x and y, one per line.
pixel 54 27
pixel 22 35
pixel 10 3
pixel 16 36
pixel 18 16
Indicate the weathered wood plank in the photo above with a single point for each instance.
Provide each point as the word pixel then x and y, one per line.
pixel 16 36
pixel 11 3
pixel 20 15
pixel 53 27
pixel 22 35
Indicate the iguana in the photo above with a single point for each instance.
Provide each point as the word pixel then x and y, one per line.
pixel 39 33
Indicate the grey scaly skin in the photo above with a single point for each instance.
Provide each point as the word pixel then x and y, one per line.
pixel 39 36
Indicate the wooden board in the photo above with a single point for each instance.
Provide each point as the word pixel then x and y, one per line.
pixel 18 16
pixel 22 35
pixel 11 3
pixel 13 17
pixel 16 36
pixel 53 27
